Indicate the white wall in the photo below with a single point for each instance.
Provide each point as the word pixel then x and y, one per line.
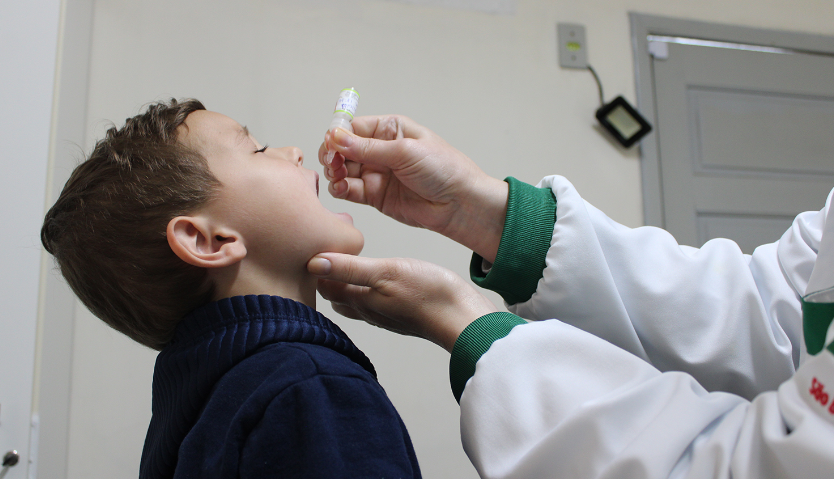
pixel 489 84
pixel 28 46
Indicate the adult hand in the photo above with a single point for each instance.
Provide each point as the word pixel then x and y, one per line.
pixel 406 296
pixel 412 175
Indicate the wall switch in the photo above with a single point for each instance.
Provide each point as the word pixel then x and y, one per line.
pixel 573 51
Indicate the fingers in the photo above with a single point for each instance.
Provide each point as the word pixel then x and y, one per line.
pixel 352 300
pixel 343 296
pixel 338 189
pixel 353 169
pixel 345 268
pixel 385 128
pixel 344 169
pixel 346 311
pixel 327 156
pixel 363 186
pixel 381 146
pixel 388 127
pixel 335 282
pixel 337 170
pixel 393 154
pixel 403 295
pixel 351 189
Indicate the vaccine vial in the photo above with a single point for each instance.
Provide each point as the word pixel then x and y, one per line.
pixel 343 114
pixel 345 109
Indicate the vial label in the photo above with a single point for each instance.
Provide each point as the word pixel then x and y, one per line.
pixel 347 102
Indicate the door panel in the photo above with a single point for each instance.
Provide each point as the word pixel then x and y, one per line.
pixel 748 231
pixel 762 132
pixel 746 139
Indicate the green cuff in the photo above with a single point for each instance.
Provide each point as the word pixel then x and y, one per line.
pixel 473 342
pixel 528 229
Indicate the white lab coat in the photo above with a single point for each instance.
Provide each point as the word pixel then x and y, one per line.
pixel 665 360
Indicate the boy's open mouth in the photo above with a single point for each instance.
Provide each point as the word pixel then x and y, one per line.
pixel 317 184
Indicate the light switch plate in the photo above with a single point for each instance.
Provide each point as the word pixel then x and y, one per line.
pixel 573 50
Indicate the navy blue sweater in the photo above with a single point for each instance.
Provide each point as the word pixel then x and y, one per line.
pixel 263 386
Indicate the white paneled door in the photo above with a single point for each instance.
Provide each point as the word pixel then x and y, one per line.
pixel 744 128
pixel 746 142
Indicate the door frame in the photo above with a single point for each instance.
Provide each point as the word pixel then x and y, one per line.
pixel 57 303
pixel 642 26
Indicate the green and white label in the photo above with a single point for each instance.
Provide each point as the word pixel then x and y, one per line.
pixel 347 102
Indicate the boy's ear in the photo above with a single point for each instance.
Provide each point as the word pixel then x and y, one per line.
pixel 195 241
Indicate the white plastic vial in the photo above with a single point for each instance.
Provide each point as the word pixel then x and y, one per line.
pixel 345 109
pixel 343 114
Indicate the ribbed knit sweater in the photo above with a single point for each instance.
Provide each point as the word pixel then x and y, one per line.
pixel 263 386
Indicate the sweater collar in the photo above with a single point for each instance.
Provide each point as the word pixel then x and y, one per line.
pixel 250 321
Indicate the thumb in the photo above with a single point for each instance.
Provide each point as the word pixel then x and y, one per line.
pixel 344 268
pixel 370 151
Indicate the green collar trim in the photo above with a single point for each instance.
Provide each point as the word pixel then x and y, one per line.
pixel 816 319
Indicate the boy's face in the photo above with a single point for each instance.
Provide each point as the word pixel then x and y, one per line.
pixel 267 196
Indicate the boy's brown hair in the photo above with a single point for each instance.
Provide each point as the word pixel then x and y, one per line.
pixel 107 228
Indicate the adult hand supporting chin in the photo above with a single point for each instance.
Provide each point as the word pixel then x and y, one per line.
pixel 409 173
pixel 406 296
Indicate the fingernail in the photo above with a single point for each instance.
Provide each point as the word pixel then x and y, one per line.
pixel 342 138
pixel 328 158
pixel 319 266
pixel 339 188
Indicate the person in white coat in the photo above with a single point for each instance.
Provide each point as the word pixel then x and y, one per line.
pixel 641 357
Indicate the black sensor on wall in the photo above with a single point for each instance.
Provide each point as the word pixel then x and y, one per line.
pixel 624 123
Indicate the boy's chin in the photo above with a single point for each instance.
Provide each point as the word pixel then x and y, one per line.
pixel 357 247
pixel 361 243
pixel 352 245
pixel 356 242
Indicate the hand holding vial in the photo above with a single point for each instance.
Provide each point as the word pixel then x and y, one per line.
pixel 409 173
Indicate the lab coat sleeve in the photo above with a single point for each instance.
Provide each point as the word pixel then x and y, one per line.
pixel 550 400
pixel 732 321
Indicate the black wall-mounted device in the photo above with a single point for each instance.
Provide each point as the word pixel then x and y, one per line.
pixel 624 123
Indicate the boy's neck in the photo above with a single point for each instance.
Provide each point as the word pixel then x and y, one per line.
pixel 243 281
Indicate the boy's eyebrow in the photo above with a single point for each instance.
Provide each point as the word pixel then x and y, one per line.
pixel 243 133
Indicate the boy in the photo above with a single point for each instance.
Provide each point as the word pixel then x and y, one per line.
pixel 187 235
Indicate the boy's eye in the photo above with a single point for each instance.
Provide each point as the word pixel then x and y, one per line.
pixel 261 150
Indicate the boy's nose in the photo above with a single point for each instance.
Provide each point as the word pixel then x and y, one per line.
pixel 297 155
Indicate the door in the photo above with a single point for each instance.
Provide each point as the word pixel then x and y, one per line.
pixel 744 134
